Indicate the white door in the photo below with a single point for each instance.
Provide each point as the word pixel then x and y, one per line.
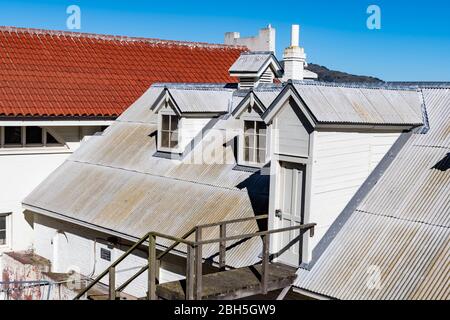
pixel 290 212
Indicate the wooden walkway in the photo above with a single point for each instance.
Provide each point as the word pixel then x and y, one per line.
pixel 232 284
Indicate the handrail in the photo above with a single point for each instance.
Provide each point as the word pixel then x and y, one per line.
pixel 255 234
pixel 176 240
pixel 129 251
pixel 158 257
pixel 187 234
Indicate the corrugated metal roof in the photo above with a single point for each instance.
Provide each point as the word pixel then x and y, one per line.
pixel 253 63
pixel 202 100
pixel 402 227
pixel 361 105
pixel 114 182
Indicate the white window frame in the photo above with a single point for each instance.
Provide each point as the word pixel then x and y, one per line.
pixel 24 144
pixel 8 229
pixel 160 147
pixel 241 152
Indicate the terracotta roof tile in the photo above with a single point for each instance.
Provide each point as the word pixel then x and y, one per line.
pixel 54 73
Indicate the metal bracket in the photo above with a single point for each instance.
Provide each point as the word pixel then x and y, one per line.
pixel 278 213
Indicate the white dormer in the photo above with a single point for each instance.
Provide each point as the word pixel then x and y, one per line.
pixel 254 134
pixel 184 112
pixel 253 68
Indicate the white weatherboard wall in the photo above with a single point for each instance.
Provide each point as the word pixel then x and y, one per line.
pixel 78 249
pixel 190 128
pixel 22 169
pixel 291 137
pixel 342 161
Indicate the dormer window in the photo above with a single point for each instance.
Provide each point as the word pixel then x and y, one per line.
pixel 254 143
pixel 169 133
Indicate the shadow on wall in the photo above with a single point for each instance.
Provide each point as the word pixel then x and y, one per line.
pixel 444 164
pixel 257 186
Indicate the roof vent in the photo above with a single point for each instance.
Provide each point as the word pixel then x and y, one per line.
pixel 253 68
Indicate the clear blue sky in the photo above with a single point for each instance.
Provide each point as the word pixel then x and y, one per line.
pixel 413 43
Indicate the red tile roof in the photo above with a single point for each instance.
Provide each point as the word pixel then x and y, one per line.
pixel 52 73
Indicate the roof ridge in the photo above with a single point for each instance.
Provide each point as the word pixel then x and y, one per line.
pixel 356 85
pixel 108 37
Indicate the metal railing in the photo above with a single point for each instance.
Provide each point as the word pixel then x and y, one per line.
pixel 194 261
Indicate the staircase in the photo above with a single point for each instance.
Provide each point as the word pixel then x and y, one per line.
pixel 226 284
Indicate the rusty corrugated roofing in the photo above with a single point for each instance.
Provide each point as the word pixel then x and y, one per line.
pixel 115 183
pixel 401 228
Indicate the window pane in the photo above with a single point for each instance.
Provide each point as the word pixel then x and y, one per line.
pixel 165 122
pixel 51 139
pixel 13 135
pixel 250 143
pixel 2 223
pixel 246 154
pixel 2 237
pixel 251 155
pixel 260 127
pixel 174 139
pixel 261 156
pixel 33 135
pixel 261 142
pixel 165 136
pixel 174 123
pixel 249 127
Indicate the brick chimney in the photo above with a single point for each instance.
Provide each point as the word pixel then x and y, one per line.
pixel 294 57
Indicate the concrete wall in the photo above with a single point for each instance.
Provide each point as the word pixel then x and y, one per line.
pixel 78 249
pixel 264 41
pixel 22 169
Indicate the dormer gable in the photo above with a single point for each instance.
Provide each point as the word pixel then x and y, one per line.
pixel 253 68
pixel 184 111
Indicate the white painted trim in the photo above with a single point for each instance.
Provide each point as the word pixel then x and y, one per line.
pixel 35 150
pixel 55 123
pixel 8 244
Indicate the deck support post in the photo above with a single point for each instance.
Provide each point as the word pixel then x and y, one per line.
pixel 198 265
pixel 112 283
pixel 265 263
pixel 222 247
pixel 152 268
pixel 190 273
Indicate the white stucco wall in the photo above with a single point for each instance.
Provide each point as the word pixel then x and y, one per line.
pixel 22 169
pixel 78 249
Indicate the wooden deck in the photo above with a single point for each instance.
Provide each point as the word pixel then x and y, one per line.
pixel 232 284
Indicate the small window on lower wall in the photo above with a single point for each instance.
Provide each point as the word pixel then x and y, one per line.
pixel 4 229
pixel 22 137
pixel 12 136
pixel 254 143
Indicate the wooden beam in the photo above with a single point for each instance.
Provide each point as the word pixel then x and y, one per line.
pixel 198 265
pixel 190 273
pixel 222 247
pixel 112 283
pixel 151 293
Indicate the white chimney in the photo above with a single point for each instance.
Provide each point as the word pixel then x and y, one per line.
pixel 294 57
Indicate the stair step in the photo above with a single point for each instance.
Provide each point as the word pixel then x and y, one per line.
pixel 232 284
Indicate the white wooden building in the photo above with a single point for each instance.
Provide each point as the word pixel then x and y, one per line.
pixel 188 154
pixel 57 89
